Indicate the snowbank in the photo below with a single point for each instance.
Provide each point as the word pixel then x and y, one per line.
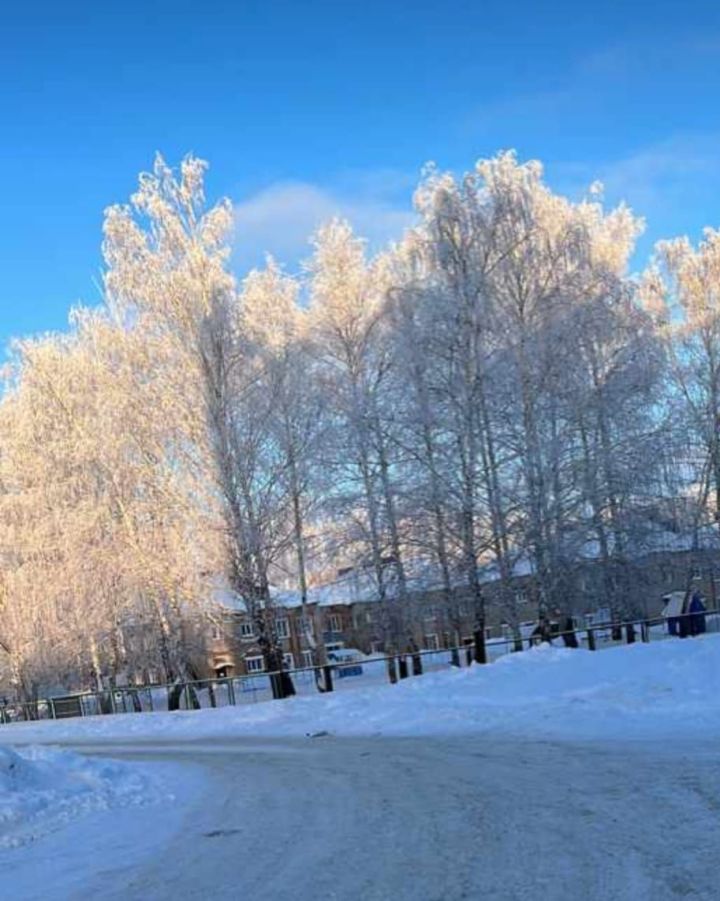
pixel 667 688
pixel 42 789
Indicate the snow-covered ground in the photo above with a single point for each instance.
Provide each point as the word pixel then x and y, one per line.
pixel 556 772
pixel 663 689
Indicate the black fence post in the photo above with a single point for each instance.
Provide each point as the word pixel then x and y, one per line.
pixel 630 633
pixel 417 664
pixel 403 667
pixel 591 640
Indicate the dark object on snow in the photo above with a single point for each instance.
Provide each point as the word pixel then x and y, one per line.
pixel 403 667
pixel 221 833
pixel 696 619
pixel 283 683
pixel 616 633
pixel 630 633
pixel 479 642
pixel 569 636
pixel 327 673
pixel 541 633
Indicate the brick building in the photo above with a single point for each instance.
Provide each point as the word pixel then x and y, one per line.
pixel 347 612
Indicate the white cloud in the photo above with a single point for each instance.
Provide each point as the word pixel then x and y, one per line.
pixel 657 179
pixel 670 183
pixel 281 218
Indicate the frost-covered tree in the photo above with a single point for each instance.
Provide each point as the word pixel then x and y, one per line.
pixel 682 289
pixel 348 319
pixel 493 397
pixel 167 277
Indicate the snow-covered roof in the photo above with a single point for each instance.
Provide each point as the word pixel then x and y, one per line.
pixel 359 586
pixel 223 596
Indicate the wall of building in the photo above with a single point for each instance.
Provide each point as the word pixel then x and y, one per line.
pixel 429 622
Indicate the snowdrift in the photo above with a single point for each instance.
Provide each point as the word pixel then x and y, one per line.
pixel 41 789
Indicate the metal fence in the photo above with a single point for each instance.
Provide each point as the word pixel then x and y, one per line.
pixel 365 672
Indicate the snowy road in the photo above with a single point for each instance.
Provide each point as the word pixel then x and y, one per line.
pixel 428 818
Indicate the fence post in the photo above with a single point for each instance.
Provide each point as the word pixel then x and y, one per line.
pixel 403 667
pixel 630 633
pixel 644 632
pixel 591 640
pixel 231 692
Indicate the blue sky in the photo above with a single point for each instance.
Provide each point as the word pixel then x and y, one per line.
pixel 305 109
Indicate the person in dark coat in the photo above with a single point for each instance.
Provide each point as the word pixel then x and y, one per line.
pixel 696 619
pixel 541 632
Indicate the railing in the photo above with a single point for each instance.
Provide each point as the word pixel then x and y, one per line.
pixel 234 691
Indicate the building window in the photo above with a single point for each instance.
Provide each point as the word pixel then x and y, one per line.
pixel 216 632
pixel 305 626
pixel 307 658
pixel 431 642
pixel 521 596
pixel 282 627
pixel 334 623
pixel 255 664
pixel 288 661
pixel 247 631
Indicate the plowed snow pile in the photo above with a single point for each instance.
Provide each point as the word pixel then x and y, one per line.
pixel 42 789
